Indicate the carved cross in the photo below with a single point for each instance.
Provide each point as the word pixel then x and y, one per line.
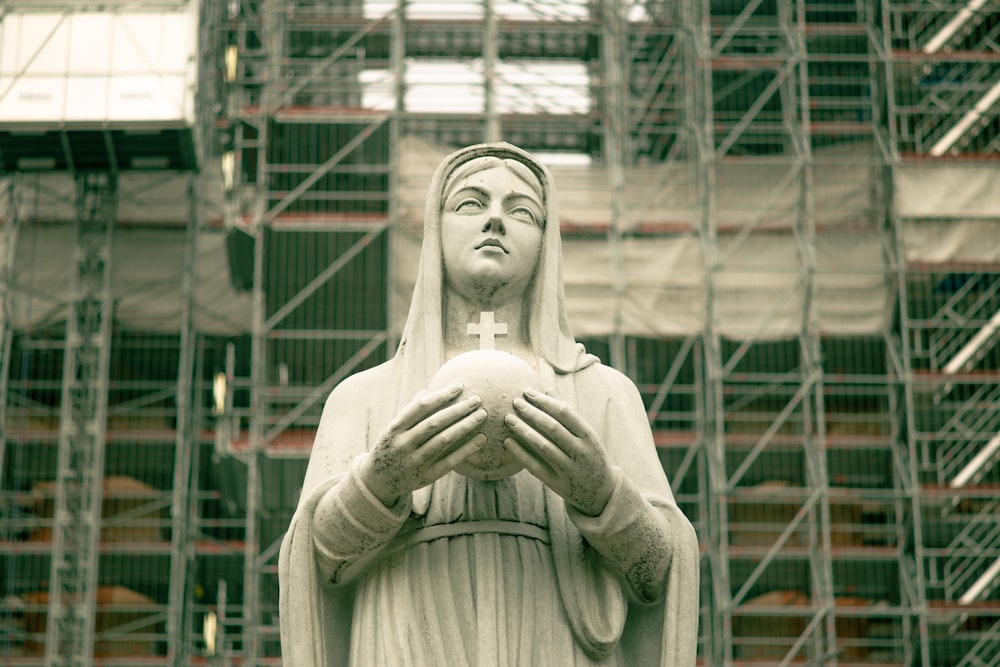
pixel 487 330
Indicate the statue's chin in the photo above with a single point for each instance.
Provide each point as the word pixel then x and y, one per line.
pixel 497 378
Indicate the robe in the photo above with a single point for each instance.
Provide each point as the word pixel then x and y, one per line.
pixel 376 596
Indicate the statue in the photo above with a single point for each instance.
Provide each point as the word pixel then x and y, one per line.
pixel 490 495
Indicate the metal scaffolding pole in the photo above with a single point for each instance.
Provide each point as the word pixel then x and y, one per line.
pixel 699 119
pixel 777 123
pixel 79 482
pixel 613 46
pixel 397 65
pixel 905 455
pixel 252 620
pixel 184 451
pixel 796 119
pixel 492 129
pixel 881 81
pixel 272 39
pixel 11 227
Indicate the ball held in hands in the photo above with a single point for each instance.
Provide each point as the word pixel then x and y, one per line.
pixel 497 378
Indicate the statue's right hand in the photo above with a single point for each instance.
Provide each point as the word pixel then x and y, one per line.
pixel 426 440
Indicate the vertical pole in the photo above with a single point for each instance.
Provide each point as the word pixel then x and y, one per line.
pixel 12 225
pixel 195 516
pixel 905 444
pixel 695 17
pixel 184 449
pixel 492 129
pixel 706 514
pixel 272 28
pixel 613 47
pixel 83 419
pixel 397 65
pixel 796 118
pixel 258 416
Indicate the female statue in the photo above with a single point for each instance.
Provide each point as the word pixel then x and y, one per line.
pixel 415 544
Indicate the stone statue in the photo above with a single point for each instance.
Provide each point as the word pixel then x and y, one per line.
pixel 490 495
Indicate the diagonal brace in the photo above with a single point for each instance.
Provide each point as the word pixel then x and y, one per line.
pixel 320 279
pixel 321 170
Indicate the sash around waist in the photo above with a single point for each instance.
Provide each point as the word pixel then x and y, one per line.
pixel 446 530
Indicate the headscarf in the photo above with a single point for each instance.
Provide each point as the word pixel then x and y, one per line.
pixel 421 348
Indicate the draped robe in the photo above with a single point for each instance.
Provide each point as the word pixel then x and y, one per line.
pixel 487 573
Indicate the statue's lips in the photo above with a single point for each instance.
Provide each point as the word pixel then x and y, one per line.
pixel 492 243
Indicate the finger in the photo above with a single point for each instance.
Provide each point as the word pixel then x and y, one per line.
pixel 547 425
pixel 562 412
pixel 441 445
pixel 424 404
pixel 541 471
pixel 536 443
pixel 436 422
pixel 448 463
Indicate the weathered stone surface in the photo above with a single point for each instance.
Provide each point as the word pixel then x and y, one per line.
pixel 504 507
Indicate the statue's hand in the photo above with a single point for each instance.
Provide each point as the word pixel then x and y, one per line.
pixel 426 440
pixel 560 448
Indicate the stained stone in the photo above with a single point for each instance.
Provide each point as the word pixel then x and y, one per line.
pixel 489 507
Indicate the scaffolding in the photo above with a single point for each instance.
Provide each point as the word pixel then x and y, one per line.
pixel 779 220
pixel 97 407
pixel 948 333
pixel 82 420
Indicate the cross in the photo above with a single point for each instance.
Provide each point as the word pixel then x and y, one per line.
pixel 487 329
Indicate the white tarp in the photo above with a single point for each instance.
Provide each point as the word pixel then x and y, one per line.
pixel 147 270
pixel 761 287
pixel 952 212
pixel 765 192
pixel 144 197
pixel 127 64
pixel 759 294
pixel 953 190
pixel 959 241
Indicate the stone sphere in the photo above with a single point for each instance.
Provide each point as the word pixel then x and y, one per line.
pixel 497 378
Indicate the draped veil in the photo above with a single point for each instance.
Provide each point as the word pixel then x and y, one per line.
pixel 549 332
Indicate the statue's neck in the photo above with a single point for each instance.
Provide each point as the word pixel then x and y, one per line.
pixel 460 312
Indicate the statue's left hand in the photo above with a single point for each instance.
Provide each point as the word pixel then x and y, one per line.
pixel 556 445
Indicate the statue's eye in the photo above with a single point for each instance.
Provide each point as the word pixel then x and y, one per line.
pixel 469 206
pixel 524 213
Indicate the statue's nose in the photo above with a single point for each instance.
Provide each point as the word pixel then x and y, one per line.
pixel 494 223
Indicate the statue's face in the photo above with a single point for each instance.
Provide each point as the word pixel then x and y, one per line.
pixel 491 233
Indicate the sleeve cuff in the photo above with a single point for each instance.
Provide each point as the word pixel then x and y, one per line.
pixel 633 538
pixel 621 509
pixel 359 501
pixel 351 525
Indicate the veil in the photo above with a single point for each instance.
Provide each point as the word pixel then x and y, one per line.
pixel 421 347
